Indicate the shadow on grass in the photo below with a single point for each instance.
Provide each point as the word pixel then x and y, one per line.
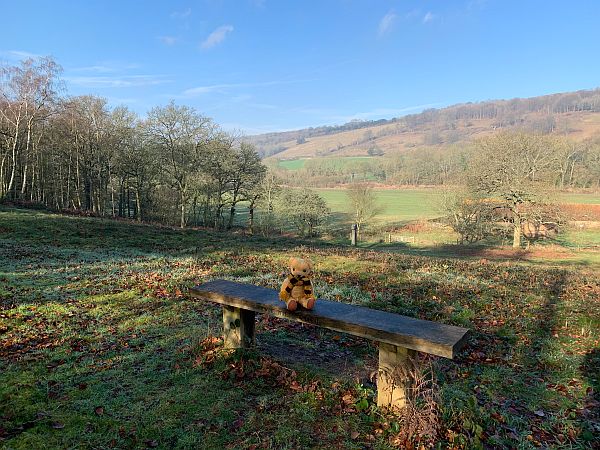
pixel 590 413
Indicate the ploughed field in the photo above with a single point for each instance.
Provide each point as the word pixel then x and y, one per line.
pixel 100 347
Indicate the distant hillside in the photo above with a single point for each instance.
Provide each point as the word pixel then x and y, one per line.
pixel 576 114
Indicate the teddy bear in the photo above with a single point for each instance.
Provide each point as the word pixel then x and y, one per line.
pixel 297 288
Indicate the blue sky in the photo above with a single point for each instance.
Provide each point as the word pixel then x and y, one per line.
pixel 271 65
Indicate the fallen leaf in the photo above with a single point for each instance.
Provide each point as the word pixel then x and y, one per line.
pixel 354 435
pixel 99 410
pixel 58 425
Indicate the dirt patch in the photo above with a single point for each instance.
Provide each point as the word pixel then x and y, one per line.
pixel 549 252
pixel 306 346
pixel 581 212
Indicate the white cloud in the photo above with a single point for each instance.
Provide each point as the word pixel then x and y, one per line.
pixel 386 23
pixel 181 14
pixel 216 37
pixel 200 90
pixel 428 17
pixel 122 101
pixel 117 81
pixel 107 67
pixel 19 55
pixel 168 40
pixel 225 87
pixel 377 113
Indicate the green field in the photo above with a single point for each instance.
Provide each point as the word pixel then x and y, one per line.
pixel 398 205
pixel 292 164
pixel 101 348
pixel 296 164
pixel 585 199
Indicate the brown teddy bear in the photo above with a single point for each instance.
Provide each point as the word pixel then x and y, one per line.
pixel 297 288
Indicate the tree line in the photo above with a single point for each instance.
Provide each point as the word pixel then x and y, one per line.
pixel 574 165
pixel 175 166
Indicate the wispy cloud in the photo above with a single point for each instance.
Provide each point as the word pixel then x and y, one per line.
pixel 168 40
pixel 378 113
pixel 117 81
pixel 200 90
pixel 386 23
pixel 428 17
pixel 122 101
pixel 107 67
pixel 216 37
pixel 181 14
pixel 226 87
pixel 18 54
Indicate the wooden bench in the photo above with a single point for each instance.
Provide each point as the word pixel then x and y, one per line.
pixel 399 336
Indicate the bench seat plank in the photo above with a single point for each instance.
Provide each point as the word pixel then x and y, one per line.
pixel 415 334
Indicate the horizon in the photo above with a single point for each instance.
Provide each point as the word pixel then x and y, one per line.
pixel 261 67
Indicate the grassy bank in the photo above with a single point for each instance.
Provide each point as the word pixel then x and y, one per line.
pixel 100 347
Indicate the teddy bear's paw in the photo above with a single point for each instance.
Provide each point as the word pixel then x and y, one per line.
pixel 283 295
pixel 292 305
pixel 310 303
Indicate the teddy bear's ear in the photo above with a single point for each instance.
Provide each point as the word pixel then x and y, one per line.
pixel 309 264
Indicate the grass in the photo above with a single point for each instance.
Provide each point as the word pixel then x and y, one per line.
pixel 579 198
pixel 299 163
pixel 292 164
pixel 101 348
pixel 401 205
pixel 398 205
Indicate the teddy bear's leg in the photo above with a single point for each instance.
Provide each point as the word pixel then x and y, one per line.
pixel 291 304
pixel 307 302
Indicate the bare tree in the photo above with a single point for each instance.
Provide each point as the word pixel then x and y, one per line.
pixel 25 93
pixel 246 175
pixel 302 208
pixel 471 217
pixel 217 160
pixel 179 134
pixel 510 168
pixel 362 204
pixel 265 196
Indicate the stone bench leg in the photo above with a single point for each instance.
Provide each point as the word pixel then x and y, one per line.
pixel 392 385
pixel 238 327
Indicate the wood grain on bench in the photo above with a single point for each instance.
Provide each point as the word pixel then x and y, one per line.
pixel 420 335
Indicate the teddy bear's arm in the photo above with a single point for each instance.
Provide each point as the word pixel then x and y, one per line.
pixel 286 289
pixel 308 290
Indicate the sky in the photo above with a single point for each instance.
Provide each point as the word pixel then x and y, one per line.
pixel 258 66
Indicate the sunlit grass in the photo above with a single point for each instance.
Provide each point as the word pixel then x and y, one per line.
pixel 102 348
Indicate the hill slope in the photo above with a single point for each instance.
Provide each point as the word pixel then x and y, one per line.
pixel 575 114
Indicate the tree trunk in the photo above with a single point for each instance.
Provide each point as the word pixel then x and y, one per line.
pixel 24 180
pixel 14 162
pixel 182 200
pixel 231 216
pixel 139 205
pixel 2 191
pixel 517 229
pixel 251 218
